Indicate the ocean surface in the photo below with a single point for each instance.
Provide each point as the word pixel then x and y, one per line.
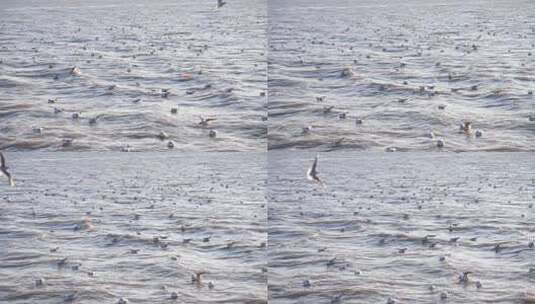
pixel 372 75
pixel 362 238
pixel 136 63
pixel 136 226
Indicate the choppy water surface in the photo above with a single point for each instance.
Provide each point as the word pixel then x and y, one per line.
pixel 362 239
pixel 137 61
pixel 136 227
pixel 403 69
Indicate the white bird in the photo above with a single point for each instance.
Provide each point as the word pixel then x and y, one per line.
pixel 312 174
pixel 75 71
pixel 3 169
pixel 220 3
pixel 306 130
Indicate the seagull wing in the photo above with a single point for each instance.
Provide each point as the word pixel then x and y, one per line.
pixel 10 179
pixel 314 165
pixel 2 161
pixel 312 173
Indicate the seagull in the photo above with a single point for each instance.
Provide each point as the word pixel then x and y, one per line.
pixel 75 71
pixel 327 109
pixel 220 3
pixel 312 174
pixel 205 121
pixel 3 169
pixel 93 120
pixel 466 127
pixel 197 277
pixel 463 277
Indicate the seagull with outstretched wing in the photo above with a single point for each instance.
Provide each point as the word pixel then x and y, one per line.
pixel 312 174
pixel 205 121
pixel 3 169
pixel 220 3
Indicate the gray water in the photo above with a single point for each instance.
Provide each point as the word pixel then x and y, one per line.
pixel 345 238
pixel 212 62
pixel 391 64
pixel 340 75
pixel 95 208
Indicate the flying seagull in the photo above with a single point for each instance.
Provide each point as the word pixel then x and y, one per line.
pixel 3 169
pixel 220 3
pixel 312 174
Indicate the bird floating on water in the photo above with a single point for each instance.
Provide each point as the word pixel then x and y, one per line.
pixel 466 127
pixel 205 121
pixel 463 277
pixel 306 130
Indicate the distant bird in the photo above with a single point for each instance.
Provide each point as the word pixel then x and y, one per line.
pixel 312 174
pixel 122 301
pixel 205 121
pixel 197 277
pixel 327 109
pixel 70 297
pixel 75 71
pixel 466 127
pixel 3 169
pixel 220 3
pixel 39 282
pixel 463 277
pixel 93 120
pixel 306 130
pixel 163 135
